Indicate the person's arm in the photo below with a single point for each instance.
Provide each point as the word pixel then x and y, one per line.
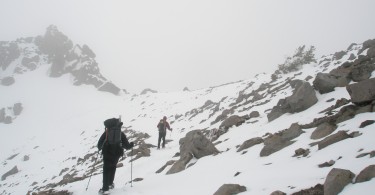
pixel 168 127
pixel 125 142
pixel 101 142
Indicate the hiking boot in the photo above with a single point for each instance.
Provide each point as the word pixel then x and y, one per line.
pixel 111 186
pixel 101 191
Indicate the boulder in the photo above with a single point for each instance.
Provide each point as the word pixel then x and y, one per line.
pixel 233 120
pixel 17 109
pixel 316 190
pixel 145 91
pixel 292 132
pixel 371 52
pixel 250 143
pixel 13 171
pixel 303 97
pixel 362 92
pixel 366 123
pixel 230 189
pixel 326 82
pixel 323 130
pixel 254 114
pixel 362 72
pixel 273 144
pixel 327 164
pixel 7 81
pixel 278 192
pixel 301 152
pixel 336 181
pixel 366 174
pixel 194 144
pixel 339 136
pixel 171 162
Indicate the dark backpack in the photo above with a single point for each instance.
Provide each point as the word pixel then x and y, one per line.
pixel 161 126
pixel 114 136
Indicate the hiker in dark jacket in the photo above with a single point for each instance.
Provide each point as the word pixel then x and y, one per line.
pixel 111 154
pixel 163 125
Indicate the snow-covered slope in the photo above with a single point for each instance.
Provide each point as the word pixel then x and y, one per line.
pixel 52 142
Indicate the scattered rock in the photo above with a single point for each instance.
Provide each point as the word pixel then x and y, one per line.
pixel 273 144
pixel 323 130
pixel 145 91
pixel 302 98
pixel 254 114
pixel 316 190
pixel 7 81
pixel 327 164
pixel 326 82
pixel 230 189
pixel 51 192
pixel 13 171
pixel 362 92
pixel 231 121
pixel 301 152
pixel 166 164
pixel 249 143
pixel 237 174
pixel 186 89
pixel 339 136
pixel 137 179
pixel 366 123
pixel 366 174
pixel 336 180
pixel 278 192
pixel 26 158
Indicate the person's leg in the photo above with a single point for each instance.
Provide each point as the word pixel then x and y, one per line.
pixel 159 139
pixel 164 134
pixel 106 171
pixel 112 171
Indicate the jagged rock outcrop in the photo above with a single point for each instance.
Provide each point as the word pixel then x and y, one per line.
pixel 194 144
pixel 229 189
pixel 336 180
pixel 57 50
pixel 302 98
pixel 362 92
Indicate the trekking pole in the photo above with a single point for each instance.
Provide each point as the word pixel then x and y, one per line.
pixel 92 170
pixel 131 169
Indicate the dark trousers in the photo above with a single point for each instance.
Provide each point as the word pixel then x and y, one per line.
pixel 109 171
pixel 162 135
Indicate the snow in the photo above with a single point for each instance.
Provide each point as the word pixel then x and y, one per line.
pixel 61 123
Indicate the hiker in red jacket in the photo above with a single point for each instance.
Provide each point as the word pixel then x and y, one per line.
pixel 163 125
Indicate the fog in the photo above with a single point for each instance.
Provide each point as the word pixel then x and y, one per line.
pixel 167 45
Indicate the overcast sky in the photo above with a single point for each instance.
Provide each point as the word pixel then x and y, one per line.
pixel 169 44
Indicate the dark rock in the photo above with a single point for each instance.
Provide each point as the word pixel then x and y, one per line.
pixel 237 174
pixel 8 120
pixel 316 190
pixel 323 130
pixel 194 144
pixel 249 143
pixel 302 98
pixel 17 109
pixel 13 171
pixel 371 52
pixel 278 192
pixel 362 72
pixel 234 120
pixel 351 57
pixel 273 144
pixel 109 87
pixel 165 166
pixel 308 78
pixel 292 132
pixel 327 164
pixel 137 179
pixel 119 165
pixel 336 180
pixel 254 114
pixel 87 51
pixel 186 89
pixel 325 82
pixel 366 174
pixel 362 92
pixel 366 123
pixel 301 152
pixel 145 91
pixel 339 136
pixel 26 158
pixel 330 100
pixel 7 81
pixel 230 189
pixel 339 55
pixel 52 192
